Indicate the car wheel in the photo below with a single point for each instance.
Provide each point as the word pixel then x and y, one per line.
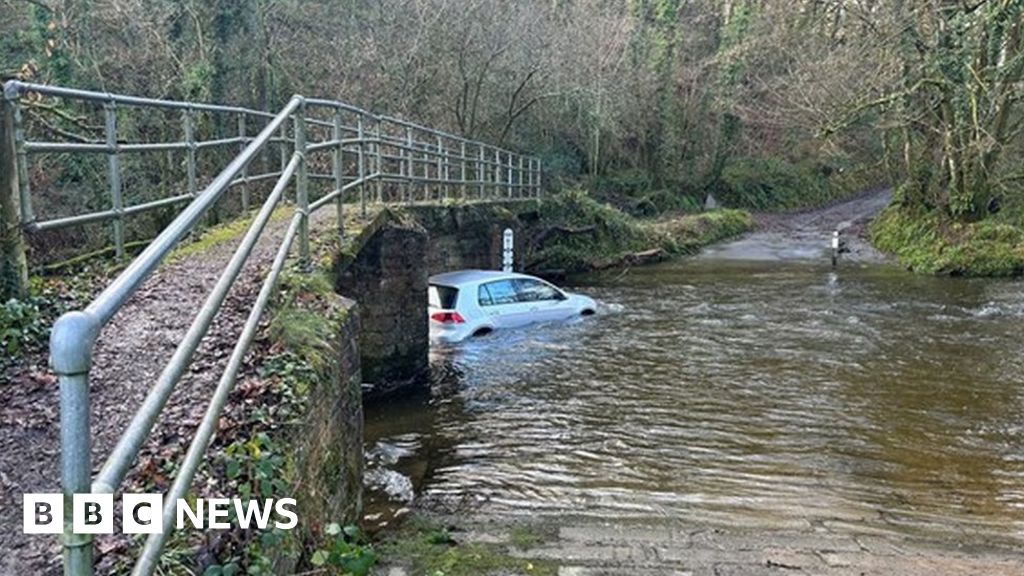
pixel 482 332
pixel 587 312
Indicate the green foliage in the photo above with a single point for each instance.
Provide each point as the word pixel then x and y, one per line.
pixel 771 184
pixel 932 243
pixel 24 325
pixel 688 234
pixel 344 551
pixel 602 235
pixel 255 466
pixel 609 232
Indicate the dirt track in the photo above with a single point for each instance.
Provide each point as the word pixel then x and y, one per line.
pixel 806 234
pixel 130 354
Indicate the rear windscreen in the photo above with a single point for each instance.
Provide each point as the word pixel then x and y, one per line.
pixel 443 297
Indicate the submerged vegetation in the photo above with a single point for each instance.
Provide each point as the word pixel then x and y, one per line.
pixel 429 548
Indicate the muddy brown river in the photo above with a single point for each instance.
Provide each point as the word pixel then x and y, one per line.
pixel 743 392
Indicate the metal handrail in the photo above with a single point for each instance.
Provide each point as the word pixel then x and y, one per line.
pixel 74 334
pixel 404 139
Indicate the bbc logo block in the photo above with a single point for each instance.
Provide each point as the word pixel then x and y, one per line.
pixel 43 514
pixel 144 513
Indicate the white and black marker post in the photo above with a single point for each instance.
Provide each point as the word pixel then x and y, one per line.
pixel 506 254
pixel 835 247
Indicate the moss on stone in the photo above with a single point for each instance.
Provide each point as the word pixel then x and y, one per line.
pixel 426 547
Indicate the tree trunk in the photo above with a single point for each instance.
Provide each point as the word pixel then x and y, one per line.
pixel 13 264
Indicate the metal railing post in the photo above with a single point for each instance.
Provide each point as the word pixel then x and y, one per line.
pixel 508 183
pixel 245 171
pixel 190 151
pixel 481 174
pixel 71 346
pixel 497 173
pixel 462 155
pixel 338 169
pixel 409 169
pixel 283 146
pixel 302 184
pixel 362 169
pixel 520 191
pixel 441 187
pixel 114 178
pixel 24 192
pixel 379 163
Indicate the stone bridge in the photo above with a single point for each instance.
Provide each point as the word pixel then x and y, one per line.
pixel 170 353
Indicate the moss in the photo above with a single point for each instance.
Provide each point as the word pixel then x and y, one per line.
pixel 604 234
pixel 930 243
pixel 428 548
pixel 688 234
pixel 221 233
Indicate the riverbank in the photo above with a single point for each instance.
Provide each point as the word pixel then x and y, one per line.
pixel 927 243
pixel 575 233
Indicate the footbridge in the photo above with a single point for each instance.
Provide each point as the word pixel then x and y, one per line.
pixel 318 162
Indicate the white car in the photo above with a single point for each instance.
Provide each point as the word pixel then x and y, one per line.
pixel 475 302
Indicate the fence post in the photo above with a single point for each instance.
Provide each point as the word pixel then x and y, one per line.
pixel 362 170
pixel 481 174
pixel 338 169
pixel 283 145
pixel 302 184
pixel 497 173
pixel 440 163
pixel 380 165
pixel 13 204
pixel 410 170
pixel 190 151
pixel 462 178
pixel 114 178
pixel 245 169
pixel 521 191
pixel 71 345
pixel 508 183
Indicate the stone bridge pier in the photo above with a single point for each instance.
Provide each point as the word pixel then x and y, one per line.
pixel 386 271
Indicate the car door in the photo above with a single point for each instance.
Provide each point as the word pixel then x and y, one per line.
pixel 500 301
pixel 542 301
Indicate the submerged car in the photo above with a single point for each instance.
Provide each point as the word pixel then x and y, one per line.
pixel 475 302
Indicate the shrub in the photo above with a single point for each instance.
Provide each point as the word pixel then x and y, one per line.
pixel 930 242
pixel 771 184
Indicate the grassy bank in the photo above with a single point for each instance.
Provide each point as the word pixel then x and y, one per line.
pixel 930 243
pixel 576 233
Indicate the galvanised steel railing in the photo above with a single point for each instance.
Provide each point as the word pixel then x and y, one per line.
pixel 429 164
pixel 370 151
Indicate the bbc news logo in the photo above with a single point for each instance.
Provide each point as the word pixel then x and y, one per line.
pixel 143 513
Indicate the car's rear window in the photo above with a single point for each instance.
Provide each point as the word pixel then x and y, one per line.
pixel 443 297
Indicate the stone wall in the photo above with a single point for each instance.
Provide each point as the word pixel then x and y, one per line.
pixel 387 275
pixel 469 236
pixel 386 269
pixel 330 445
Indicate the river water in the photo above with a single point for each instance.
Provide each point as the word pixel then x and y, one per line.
pixel 768 392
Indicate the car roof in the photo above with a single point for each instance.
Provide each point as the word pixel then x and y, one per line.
pixel 462 277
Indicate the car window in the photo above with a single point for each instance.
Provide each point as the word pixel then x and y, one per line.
pixel 500 292
pixel 443 297
pixel 529 290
